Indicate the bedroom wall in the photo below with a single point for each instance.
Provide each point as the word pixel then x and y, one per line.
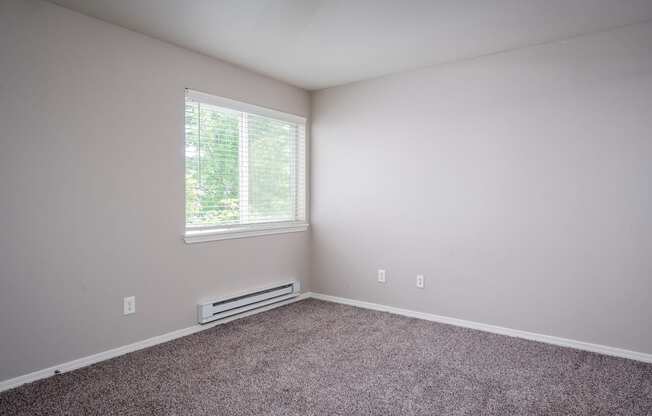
pixel 92 189
pixel 519 184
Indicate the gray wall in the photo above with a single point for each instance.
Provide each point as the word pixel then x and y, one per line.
pixel 518 183
pixel 91 189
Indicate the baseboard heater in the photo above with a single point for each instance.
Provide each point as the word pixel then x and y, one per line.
pixel 234 304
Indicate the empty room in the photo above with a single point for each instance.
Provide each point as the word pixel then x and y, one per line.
pixel 326 207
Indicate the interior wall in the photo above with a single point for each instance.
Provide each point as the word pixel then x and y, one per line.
pixel 519 184
pixel 92 188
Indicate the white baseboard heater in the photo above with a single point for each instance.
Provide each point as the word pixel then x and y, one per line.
pixel 234 304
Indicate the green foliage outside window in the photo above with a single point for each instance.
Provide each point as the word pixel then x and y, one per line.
pixel 217 161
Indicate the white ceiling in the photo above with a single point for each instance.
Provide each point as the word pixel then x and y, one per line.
pixel 316 44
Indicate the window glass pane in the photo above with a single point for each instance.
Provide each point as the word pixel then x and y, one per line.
pixel 241 168
pixel 212 165
pixel 272 170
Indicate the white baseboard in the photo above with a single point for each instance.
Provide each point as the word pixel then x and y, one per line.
pixel 548 339
pixel 105 355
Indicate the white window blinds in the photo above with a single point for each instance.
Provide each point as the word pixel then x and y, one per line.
pixel 245 165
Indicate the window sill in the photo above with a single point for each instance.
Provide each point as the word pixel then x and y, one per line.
pixel 212 234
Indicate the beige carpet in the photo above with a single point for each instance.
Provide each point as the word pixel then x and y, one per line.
pixel 319 358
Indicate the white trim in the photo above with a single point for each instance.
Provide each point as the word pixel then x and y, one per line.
pixel 230 104
pixel 105 355
pixel 253 230
pixel 548 339
pixel 243 160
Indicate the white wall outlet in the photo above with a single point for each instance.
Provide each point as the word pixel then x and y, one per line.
pixel 129 305
pixel 421 282
pixel 381 276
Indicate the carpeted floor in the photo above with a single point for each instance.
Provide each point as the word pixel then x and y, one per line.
pixel 319 358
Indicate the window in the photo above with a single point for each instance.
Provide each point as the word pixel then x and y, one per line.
pixel 245 169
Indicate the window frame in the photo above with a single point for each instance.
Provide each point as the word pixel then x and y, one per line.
pixel 204 233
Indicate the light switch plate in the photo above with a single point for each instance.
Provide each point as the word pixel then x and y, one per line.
pixel 129 305
pixel 382 278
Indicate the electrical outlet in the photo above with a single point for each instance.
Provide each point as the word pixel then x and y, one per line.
pixel 129 305
pixel 381 276
pixel 421 283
